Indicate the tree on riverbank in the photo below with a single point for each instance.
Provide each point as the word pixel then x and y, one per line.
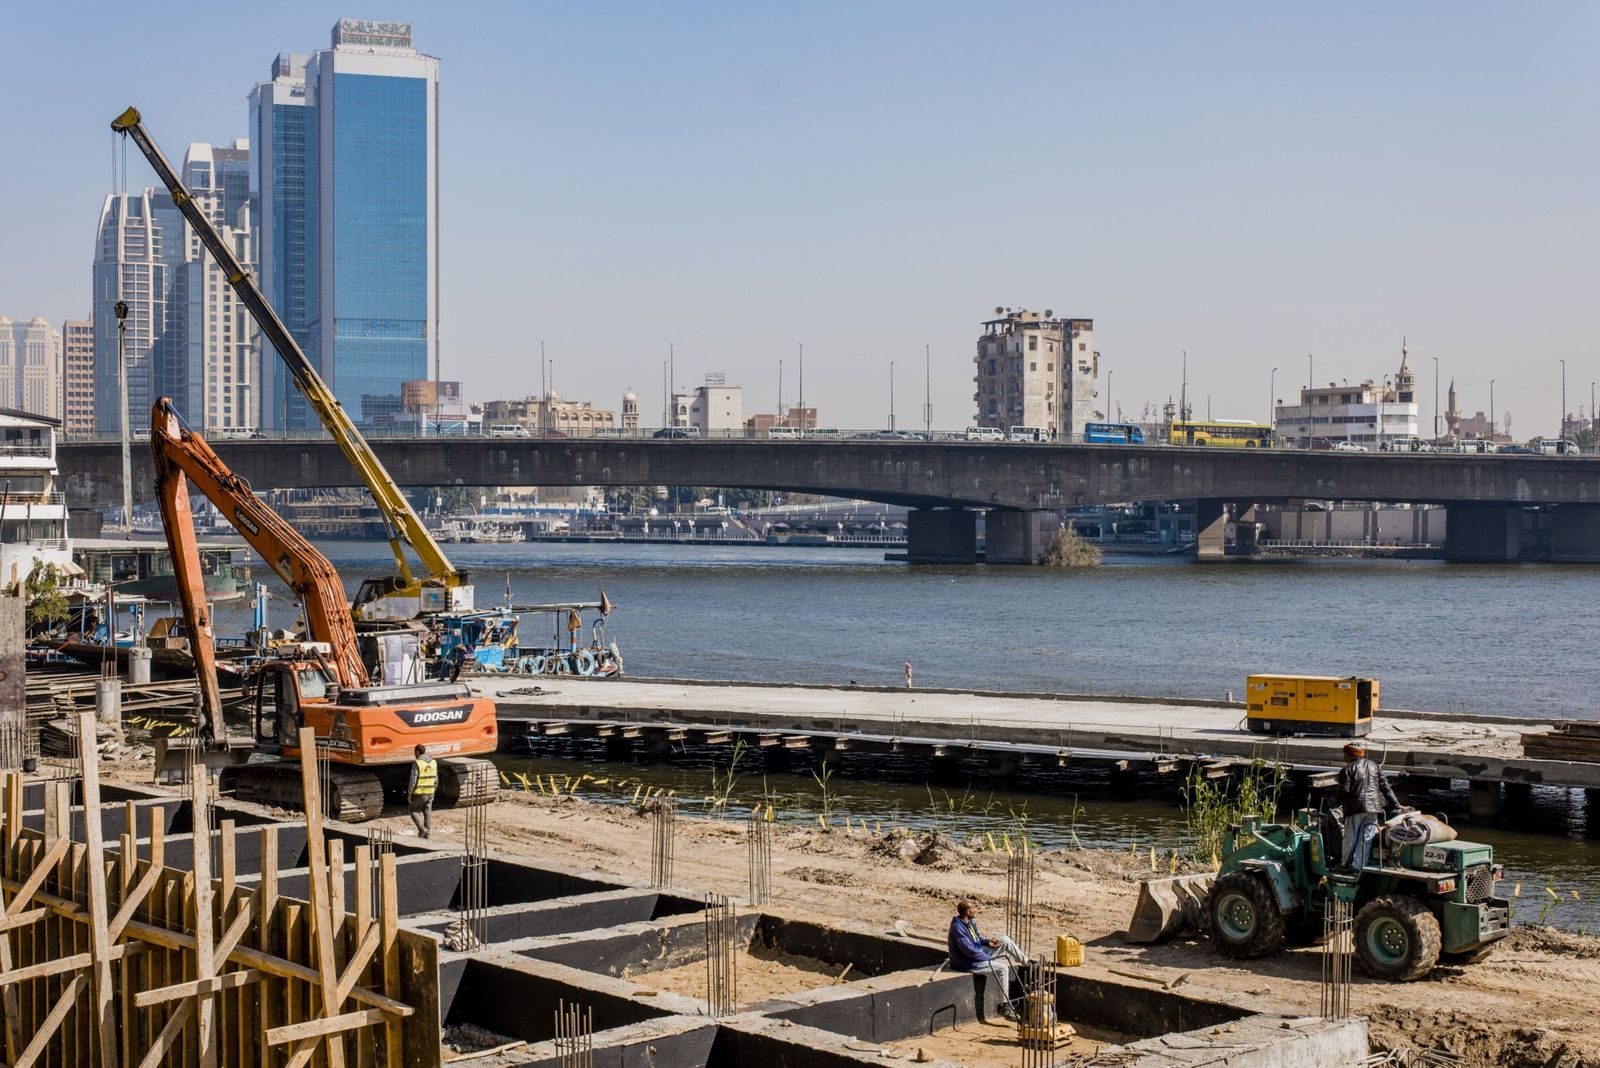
pixel 1067 549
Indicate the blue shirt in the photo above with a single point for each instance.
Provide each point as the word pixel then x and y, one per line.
pixel 967 947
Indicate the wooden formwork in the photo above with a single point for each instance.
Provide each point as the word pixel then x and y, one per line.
pixel 109 957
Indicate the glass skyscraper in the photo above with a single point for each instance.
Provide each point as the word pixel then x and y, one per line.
pixel 347 180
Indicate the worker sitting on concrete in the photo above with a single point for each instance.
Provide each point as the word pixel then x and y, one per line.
pixel 970 951
pixel 424 782
pixel 1362 793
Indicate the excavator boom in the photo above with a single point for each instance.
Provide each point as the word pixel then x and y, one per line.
pixel 179 452
pixel 404 526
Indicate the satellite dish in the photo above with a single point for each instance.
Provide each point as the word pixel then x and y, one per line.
pixel 998 310
pixel 1049 313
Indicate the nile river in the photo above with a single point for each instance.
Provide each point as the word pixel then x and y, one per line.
pixel 1510 640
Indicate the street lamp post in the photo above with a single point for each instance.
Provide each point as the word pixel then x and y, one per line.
pixel 1110 418
pixel 1272 403
pixel 891 394
pixel 927 391
pixel 1436 398
pixel 1561 427
pixel 1310 372
pixel 1382 397
pixel 1491 409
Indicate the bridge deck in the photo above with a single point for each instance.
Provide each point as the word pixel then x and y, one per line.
pixel 1485 749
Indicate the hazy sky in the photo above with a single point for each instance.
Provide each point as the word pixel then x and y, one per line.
pixel 1249 182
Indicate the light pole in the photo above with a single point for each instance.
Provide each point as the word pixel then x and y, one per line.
pixel 1436 398
pixel 1591 405
pixel 1491 409
pixel 1382 397
pixel 1561 431
pixel 802 386
pixel 1183 391
pixel 891 394
pixel 1109 417
pixel 1272 401
pixel 1310 372
pixel 121 310
pixel 927 391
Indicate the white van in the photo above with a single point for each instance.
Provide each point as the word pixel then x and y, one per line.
pixel 1405 443
pixel 1557 447
pixel 508 430
pixel 1029 433
pixel 984 433
pixel 786 432
pixel 236 433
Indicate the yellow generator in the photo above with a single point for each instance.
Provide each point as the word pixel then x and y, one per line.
pixel 1311 704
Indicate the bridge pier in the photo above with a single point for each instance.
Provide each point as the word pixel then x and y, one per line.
pixel 1210 527
pixel 1018 537
pixel 941 536
pixel 1575 534
pixel 1483 533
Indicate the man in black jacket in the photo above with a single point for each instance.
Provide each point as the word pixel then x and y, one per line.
pixel 1362 792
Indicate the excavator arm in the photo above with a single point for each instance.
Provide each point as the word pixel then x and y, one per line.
pixel 180 452
pixel 403 524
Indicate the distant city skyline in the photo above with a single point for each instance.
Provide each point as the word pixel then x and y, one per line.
pixel 1251 184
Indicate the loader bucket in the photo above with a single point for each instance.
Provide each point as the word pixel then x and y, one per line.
pixel 1170 906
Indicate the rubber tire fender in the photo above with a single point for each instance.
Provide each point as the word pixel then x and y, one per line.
pixel 585 662
pixel 1268 932
pixel 1422 934
pixel 557 665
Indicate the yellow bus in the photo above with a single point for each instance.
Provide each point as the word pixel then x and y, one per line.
pixel 1224 433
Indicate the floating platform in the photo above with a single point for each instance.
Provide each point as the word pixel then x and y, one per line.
pixel 1165 734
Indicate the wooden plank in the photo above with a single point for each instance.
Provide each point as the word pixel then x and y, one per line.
pixel 132 900
pixel 43 969
pixel 365 1052
pixel 169 1036
pixel 266 930
pixel 52 1021
pixel 144 999
pixel 21 919
pixel 205 965
pixel 104 990
pixel 325 1026
pixel 13 828
pixel 229 872
pixel 389 932
pixel 316 851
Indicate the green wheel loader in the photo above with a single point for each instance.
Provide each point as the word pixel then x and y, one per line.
pixel 1413 904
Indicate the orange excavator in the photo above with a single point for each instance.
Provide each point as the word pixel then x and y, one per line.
pixel 366 733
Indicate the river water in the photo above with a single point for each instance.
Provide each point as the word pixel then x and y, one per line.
pixel 1507 640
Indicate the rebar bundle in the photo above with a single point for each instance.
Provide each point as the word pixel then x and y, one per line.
pixel 758 842
pixel 574 1036
pixel 722 958
pixel 1020 878
pixel 1037 1031
pixel 661 843
pixel 1337 942
pixel 471 928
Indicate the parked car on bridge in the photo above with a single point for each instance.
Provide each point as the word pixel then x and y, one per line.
pixel 1515 450
pixel 1405 443
pixel 1556 447
pixel 677 432
pixel 985 433
pixel 1348 446
pixel 1029 433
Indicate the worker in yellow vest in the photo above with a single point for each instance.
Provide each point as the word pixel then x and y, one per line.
pixel 424 783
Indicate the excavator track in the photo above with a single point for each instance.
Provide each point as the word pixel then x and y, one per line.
pixel 353 794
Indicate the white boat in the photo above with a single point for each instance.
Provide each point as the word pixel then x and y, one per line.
pixel 479 532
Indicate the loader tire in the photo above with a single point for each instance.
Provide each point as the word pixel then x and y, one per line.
pixel 1397 938
pixel 1246 922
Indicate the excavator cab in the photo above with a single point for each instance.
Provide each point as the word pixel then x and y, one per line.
pixel 282 690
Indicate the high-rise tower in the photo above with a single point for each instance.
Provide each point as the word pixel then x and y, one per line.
pixel 347 179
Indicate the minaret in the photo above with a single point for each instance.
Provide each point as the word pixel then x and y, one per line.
pixel 1452 414
pixel 1404 381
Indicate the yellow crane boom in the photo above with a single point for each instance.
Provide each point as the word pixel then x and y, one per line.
pixel 399 597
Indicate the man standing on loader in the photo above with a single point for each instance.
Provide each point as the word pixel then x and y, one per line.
pixel 419 792
pixel 1362 793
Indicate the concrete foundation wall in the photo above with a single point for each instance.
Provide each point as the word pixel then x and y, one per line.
pixel 941 536
pixel 1017 537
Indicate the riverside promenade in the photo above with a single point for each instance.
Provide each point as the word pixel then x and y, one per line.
pixel 1479 749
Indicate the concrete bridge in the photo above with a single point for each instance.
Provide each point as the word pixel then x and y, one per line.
pixel 1022 486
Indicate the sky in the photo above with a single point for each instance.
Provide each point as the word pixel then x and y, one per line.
pixel 1250 183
